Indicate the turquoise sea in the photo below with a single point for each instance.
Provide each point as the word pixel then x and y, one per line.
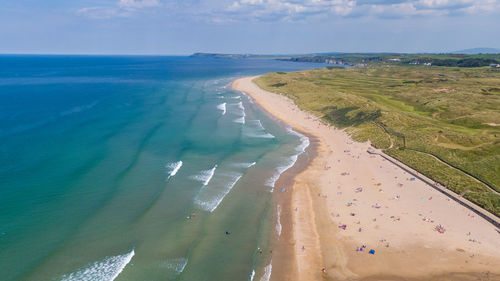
pixel 134 168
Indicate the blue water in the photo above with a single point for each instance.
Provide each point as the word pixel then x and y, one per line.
pixel 133 168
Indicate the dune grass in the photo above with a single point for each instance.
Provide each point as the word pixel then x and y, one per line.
pixel 442 121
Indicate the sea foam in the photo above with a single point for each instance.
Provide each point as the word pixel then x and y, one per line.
pixel 240 120
pixel 278 221
pixel 240 106
pixel 304 141
pixel 240 112
pixel 255 129
pixel 287 164
pixel 267 272
pixel 244 165
pixel 105 270
pixel 209 198
pixel 222 107
pixel 205 176
pixel 290 161
pixel 175 265
pixel 173 168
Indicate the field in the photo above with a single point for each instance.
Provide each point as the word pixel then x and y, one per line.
pixel 442 121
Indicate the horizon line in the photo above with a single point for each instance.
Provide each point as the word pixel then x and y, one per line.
pixel 243 53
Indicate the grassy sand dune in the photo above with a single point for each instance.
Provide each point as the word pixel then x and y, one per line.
pixel 438 120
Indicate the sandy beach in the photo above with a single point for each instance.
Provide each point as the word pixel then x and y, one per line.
pixel 347 203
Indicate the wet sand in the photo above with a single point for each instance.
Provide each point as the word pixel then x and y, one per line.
pixel 347 198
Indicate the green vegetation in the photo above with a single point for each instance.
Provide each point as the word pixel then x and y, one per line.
pixel 442 121
pixel 451 60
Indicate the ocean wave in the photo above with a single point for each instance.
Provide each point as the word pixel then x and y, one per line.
pixel 259 130
pixel 222 107
pixel 40 123
pixel 205 176
pixel 250 100
pixel 27 127
pixel 304 141
pixel 258 124
pixel 240 112
pixel 210 198
pixel 289 162
pixel 267 272
pixel 244 165
pixel 236 97
pixel 240 107
pixel 264 136
pixel 174 168
pixel 240 120
pixel 176 265
pixel 105 270
pixel 278 222
pixel 78 109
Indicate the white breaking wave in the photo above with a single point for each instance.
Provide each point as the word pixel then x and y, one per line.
pixel 240 106
pixel 240 120
pixel 278 222
pixel 210 198
pixel 249 98
pixel 176 265
pixel 265 136
pixel 304 141
pixel 105 270
pixel 289 162
pixel 174 168
pixel 252 275
pixel 301 148
pixel 222 107
pixel 241 112
pixel 244 165
pixel 260 130
pixel 236 97
pixel 267 272
pixel 205 176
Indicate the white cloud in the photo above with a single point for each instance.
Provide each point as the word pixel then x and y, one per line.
pixel 133 4
pixel 123 8
pixel 299 9
pixel 228 11
pixel 289 9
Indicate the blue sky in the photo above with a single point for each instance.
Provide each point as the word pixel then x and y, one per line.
pixel 246 26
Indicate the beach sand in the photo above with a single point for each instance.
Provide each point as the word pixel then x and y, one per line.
pixel 382 207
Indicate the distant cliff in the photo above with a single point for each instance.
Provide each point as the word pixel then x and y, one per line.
pixel 238 56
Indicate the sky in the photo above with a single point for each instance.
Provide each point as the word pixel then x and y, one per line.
pixel 180 27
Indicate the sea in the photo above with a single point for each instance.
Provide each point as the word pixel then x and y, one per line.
pixel 138 168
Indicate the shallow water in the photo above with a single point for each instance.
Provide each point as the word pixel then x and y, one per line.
pixel 134 167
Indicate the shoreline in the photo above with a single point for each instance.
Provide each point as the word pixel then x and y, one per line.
pixel 381 206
